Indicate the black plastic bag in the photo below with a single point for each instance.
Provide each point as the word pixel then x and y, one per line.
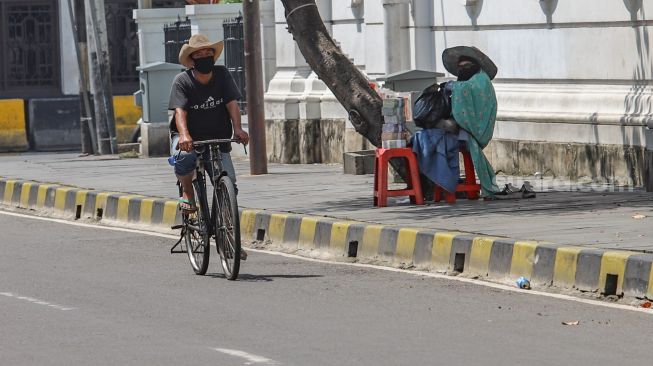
pixel 433 105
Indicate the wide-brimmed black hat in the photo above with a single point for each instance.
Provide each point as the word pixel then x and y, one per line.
pixel 451 56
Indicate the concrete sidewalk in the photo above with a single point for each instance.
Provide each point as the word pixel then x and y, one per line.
pixel 601 217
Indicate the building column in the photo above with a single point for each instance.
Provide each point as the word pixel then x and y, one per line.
pixel 424 46
pixel 268 41
pixel 150 32
pixel 397 35
pixel 208 18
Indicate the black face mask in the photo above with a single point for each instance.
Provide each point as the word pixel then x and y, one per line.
pixel 466 72
pixel 204 65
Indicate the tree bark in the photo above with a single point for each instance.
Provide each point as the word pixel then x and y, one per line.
pixel 340 75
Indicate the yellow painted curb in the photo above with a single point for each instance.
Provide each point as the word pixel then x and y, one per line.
pixel 480 253
pixel 247 222
pixel 523 259
pixel 338 239
pixel 441 250
pixel 24 194
pixel 406 239
pixel 307 232
pixel 564 270
pixel 169 212
pixel 277 227
pixel 371 238
pixel 9 191
pixel 60 198
pixel 614 263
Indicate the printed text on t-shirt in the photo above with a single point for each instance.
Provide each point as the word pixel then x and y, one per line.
pixel 209 104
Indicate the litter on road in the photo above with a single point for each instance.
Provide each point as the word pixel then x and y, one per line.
pixel 575 322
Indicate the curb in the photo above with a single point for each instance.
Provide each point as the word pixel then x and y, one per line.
pixel 77 203
pixel 608 272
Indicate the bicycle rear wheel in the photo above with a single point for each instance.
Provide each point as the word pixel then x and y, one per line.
pixel 198 231
pixel 228 228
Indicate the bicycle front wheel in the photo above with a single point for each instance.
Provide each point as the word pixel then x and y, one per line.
pixel 198 232
pixel 228 228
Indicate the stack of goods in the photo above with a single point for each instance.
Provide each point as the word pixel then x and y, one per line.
pixel 394 133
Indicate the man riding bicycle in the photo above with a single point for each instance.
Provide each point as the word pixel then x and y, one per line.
pixel 204 101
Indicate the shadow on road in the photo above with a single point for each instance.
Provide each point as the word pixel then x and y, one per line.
pixel 261 278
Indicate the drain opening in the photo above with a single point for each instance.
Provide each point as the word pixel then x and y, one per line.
pixel 260 234
pixel 611 281
pixel 78 212
pixel 459 262
pixel 352 250
pixel 98 213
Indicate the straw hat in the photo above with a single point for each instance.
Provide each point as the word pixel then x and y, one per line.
pixel 450 58
pixel 196 43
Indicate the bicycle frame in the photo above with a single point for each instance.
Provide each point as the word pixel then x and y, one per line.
pixel 215 158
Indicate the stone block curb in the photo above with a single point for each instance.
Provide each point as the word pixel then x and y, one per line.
pixel 608 272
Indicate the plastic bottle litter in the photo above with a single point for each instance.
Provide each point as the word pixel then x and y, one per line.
pixel 523 282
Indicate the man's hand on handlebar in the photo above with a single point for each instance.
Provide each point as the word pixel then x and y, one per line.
pixel 242 136
pixel 185 143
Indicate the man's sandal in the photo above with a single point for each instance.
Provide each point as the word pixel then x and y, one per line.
pixel 187 205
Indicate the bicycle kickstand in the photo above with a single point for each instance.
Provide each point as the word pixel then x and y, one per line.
pixel 181 238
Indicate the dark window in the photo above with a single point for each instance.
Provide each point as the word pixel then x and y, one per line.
pixel 123 45
pixel 29 48
pixel 123 41
pixel 234 55
pixel 175 35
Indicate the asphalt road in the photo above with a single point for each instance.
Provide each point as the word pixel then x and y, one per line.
pixel 73 295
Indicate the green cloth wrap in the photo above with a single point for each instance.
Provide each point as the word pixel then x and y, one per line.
pixel 474 107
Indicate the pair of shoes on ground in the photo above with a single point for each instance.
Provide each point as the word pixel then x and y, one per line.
pixel 511 192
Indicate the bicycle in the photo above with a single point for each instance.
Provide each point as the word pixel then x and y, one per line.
pixel 221 221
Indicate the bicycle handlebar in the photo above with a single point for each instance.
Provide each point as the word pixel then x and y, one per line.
pixel 215 141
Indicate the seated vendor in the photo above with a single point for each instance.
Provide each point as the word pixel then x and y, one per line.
pixel 473 109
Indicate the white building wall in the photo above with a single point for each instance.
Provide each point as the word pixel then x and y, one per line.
pixel 524 47
pixel 374 39
pixel 570 71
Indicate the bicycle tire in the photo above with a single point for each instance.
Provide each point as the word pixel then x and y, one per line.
pixel 198 236
pixel 227 226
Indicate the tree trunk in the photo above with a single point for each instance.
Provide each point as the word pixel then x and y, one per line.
pixel 346 82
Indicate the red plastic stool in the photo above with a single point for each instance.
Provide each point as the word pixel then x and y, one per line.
pixel 469 185
pixel 381 191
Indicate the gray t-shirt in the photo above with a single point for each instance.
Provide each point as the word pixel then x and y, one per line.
pixel 207 116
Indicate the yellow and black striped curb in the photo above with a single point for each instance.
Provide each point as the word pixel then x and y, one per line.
pixel 71 202
pixel 545 264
